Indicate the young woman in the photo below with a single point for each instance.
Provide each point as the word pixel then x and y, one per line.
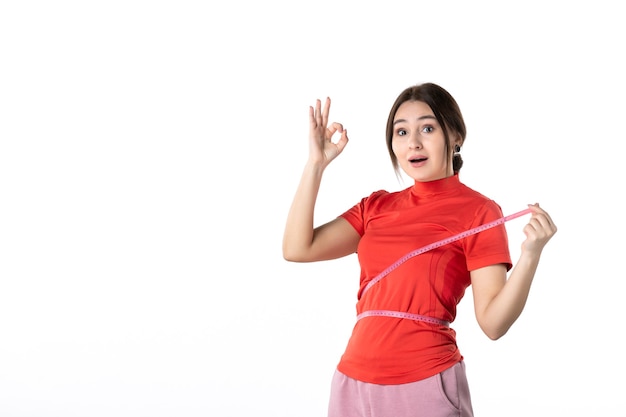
pixel 402 358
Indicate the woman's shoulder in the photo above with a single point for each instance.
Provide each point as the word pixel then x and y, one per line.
pixel 474 194
pixel 383 195
pixel 383 200
pixel 481 202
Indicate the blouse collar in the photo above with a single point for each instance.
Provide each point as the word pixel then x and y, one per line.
pixel 436 186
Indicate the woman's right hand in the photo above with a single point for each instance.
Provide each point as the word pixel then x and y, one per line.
pixel 322 149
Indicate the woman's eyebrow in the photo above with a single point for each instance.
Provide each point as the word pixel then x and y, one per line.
pixel 427 116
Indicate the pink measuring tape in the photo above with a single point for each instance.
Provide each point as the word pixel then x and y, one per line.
pixel 411 316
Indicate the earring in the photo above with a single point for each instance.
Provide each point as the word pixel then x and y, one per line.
pixel 457 149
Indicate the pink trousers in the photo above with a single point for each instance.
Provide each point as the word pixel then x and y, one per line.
pixel 443 395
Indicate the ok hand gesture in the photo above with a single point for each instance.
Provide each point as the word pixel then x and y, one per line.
pixel 322 149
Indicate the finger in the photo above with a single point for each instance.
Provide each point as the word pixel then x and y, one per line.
pixel 326 111
pixel 336 127
pixel 318 111
pixel 541 215
pixel 535 208
pixel 540 223
pixel 343 140
pixel 539 230
pixel 332 129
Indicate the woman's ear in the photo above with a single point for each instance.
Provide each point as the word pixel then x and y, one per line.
pixel 458 141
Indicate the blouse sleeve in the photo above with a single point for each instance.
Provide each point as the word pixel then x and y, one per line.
pixel 491 246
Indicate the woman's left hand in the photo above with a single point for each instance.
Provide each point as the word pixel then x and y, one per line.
pixel 539 230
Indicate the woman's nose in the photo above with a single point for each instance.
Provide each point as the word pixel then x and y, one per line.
pixel 414 141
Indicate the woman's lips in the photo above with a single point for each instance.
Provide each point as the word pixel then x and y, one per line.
pixel 417 161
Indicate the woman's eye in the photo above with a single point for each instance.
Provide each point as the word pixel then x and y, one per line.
pixel 427 129
pixel 401 132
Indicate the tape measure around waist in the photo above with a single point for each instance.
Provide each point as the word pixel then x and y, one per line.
pixel 411 316
pixel 402 315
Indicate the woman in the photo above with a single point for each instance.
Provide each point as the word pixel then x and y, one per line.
pixel 402 358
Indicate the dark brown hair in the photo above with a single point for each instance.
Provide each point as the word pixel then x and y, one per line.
pixel 445 109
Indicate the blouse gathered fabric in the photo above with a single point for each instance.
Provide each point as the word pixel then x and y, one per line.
pixel 389 350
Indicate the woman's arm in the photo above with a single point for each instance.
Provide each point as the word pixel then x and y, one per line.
pixel 499 301
pixel 302 242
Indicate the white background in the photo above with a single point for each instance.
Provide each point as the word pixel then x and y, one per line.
pixel 149 151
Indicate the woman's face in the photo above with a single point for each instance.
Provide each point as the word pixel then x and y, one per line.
pixel 419 143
